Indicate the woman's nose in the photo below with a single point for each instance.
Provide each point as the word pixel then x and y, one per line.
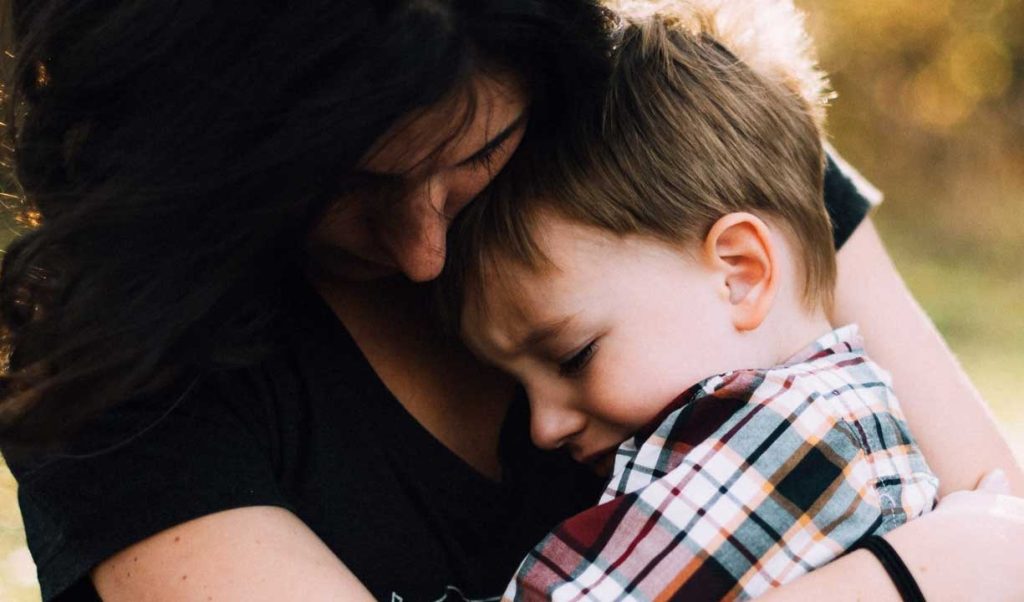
pixel 416 236
pixel 551 425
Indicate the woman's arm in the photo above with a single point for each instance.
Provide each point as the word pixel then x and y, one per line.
pixel 947 416
pixel 256 553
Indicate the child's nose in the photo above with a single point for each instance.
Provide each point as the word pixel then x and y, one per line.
pixel 552 426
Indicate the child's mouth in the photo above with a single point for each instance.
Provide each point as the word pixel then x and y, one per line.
pixel 601 462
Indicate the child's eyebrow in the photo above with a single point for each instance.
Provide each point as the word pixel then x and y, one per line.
pixel 544 332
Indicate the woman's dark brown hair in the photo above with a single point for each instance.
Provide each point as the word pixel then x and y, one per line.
pixel 176 154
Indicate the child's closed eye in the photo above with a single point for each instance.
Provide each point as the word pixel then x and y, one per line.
pixel 578 361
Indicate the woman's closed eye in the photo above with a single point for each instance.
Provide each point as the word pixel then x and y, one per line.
pixel 485 158
pixel 578 361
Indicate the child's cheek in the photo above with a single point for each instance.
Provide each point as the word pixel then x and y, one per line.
pixel 620 401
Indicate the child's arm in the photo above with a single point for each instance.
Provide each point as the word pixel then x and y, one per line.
pixel 800 463
pixel 950 421
pixel 969 548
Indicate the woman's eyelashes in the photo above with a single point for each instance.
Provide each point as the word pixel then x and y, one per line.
pixel 486 156
pixel 485 159
pixel 578 361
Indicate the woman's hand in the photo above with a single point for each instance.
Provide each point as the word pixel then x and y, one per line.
pixel 971 547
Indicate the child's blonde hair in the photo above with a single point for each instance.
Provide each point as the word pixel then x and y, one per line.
pixel 685 133
pixel 769 36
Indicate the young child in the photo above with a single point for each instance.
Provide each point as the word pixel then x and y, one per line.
pixel 680 235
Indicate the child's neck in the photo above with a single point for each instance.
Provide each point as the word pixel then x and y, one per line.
pixel 787 329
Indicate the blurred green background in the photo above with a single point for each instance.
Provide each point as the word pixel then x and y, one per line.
pixel 930 109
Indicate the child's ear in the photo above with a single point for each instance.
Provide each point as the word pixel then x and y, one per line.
pixel 739 247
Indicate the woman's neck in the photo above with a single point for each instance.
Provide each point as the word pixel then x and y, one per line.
pixel 459 401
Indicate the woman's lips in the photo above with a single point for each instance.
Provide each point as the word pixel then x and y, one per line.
pixel 347 264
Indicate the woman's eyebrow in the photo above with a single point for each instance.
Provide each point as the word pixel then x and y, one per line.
pixel 495 142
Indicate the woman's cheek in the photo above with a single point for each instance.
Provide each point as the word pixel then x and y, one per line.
pixel 464 190
pixel 458 201
pixel 342 226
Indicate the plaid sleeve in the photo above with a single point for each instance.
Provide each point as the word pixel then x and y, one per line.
pixel 791 478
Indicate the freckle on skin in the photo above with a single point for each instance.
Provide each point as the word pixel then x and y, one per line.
pixel 184 577
pixel 177 539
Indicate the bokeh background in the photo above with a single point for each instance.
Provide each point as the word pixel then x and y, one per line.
pixel 930 108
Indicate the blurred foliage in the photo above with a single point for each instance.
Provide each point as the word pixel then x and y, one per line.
pixel 931 109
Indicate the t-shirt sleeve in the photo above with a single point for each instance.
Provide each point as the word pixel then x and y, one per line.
pixel 849 197
pixel 140 469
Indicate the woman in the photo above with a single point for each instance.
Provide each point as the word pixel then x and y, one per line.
pixel 217 331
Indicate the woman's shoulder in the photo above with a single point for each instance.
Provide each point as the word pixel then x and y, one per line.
pixel 849 197
pixel 213 442
pixel 139 468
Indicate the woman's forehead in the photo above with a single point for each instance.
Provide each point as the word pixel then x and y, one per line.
pixel 450 131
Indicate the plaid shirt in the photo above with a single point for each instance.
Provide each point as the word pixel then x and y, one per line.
pixel 748 480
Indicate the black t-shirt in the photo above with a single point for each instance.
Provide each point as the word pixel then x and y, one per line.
pixel 313 430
